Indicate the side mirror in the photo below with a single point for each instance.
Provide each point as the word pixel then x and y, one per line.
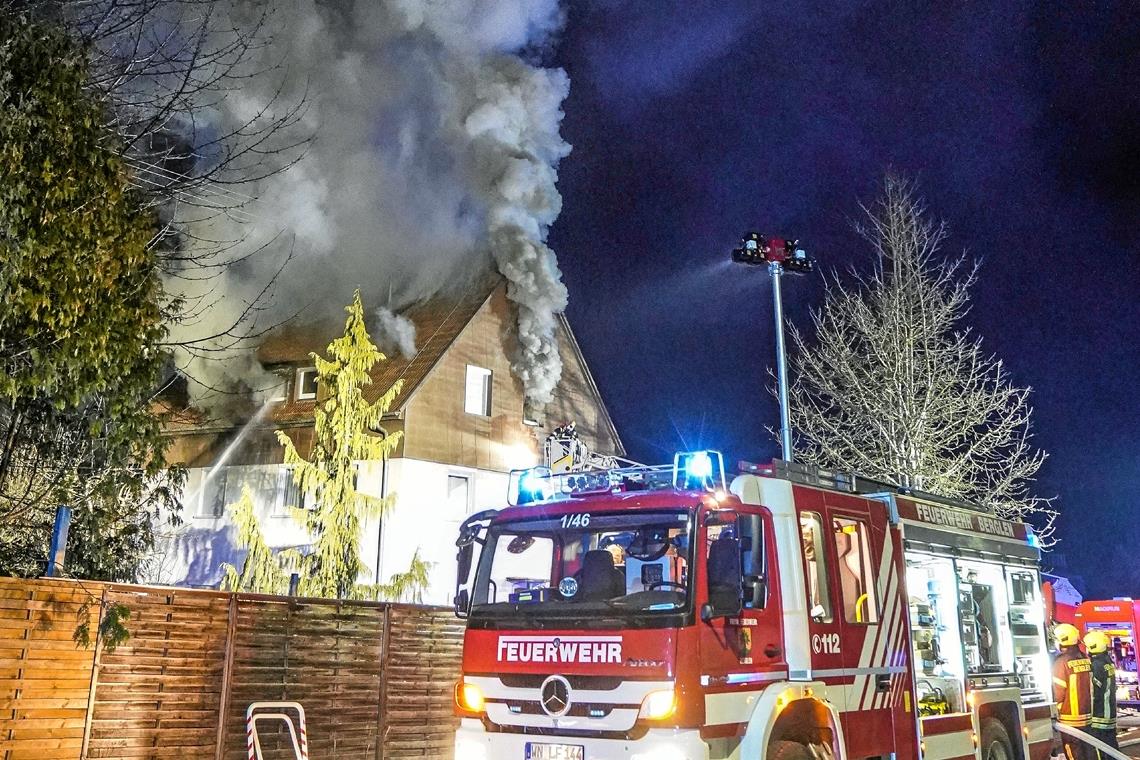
pixel 463 563
pixel 462 571
pixel 462 603
pixel 706 613
pixel 723 571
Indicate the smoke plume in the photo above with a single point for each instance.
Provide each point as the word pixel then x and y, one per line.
pixel 434 156
pixel 394 333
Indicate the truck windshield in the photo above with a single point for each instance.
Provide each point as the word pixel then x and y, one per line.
pixel 585 565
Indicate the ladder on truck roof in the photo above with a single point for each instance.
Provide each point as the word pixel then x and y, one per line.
pixel 848 482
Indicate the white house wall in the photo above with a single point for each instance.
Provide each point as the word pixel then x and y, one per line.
pixel 423 517
pixel 192 553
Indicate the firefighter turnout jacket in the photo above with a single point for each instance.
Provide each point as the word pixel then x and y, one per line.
pixel 1072 687
pixel 1103 691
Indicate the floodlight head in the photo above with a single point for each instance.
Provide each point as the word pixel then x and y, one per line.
pixel 753 250
pixel 757 250
pixel 796 258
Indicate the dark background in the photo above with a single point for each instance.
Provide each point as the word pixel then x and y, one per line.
pixel 695 121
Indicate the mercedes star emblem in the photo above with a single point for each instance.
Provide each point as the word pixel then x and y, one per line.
pixel 555 696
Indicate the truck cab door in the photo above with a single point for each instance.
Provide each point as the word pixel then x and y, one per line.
pixel 872 614
pixel 824 638
pixel 740 638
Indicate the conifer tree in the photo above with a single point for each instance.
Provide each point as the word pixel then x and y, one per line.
pixel 343 426
pixel 407 586
pixel 261 571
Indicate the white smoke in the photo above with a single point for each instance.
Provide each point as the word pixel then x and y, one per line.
pixel 394 333
pixel 434 158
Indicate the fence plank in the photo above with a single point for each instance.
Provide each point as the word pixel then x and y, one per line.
pixel 375 679
pixel 93 682
pixel 227 675
pixel 45 679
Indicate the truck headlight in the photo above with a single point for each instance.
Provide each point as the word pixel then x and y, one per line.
pixel 658 705
pixel 469 697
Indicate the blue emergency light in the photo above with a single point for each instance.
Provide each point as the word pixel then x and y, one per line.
pixel 698 470
pixel 531 485
pixel 693 470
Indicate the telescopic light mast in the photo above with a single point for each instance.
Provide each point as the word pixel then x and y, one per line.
pixel 777 255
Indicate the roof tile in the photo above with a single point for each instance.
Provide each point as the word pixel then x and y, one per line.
pixel 438 322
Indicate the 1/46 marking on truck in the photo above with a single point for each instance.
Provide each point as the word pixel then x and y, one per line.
pixel 825 643
pixel 577 520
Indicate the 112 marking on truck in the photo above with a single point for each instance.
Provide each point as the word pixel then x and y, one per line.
pixel 661 613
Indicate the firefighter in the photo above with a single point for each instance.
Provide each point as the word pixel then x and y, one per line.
pixel 1103 722
pixel 1072 690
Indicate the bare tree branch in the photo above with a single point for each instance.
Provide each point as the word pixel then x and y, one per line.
pixel 892 386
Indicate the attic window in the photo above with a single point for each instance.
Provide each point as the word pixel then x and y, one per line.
pixel 305 385
pixel 477 396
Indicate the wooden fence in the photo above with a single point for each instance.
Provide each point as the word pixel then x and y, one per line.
pixel 375 679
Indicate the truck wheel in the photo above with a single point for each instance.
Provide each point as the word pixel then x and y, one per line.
pixel 995 741
pixel 781 750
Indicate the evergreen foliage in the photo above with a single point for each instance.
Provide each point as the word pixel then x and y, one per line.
pixel 344 422
pixel 407 586
pixel 893 387
pixel 82 319
pixel 111 632
pixel 262 570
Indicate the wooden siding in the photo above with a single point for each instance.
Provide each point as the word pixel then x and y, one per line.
pixel 260 446
pixel 439 430
pixel 577 400
pixel 437 427
pixel 375 679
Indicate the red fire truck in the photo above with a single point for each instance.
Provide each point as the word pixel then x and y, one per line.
pixel 1116 618
pixel 654 613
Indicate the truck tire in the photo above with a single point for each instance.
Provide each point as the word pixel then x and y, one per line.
pixel 782 750
pixel 996 744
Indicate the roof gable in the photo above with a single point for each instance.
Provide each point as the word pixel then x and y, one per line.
pixel 438 322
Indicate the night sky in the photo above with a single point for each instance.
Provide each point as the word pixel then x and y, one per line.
pixel 695 121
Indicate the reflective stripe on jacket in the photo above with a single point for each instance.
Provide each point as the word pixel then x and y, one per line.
pixel 1072 687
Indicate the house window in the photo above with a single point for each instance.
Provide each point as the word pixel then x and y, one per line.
pixel 477 398
pixel 213 494
pixel 458 495
pixel 305 385
pixel 290 496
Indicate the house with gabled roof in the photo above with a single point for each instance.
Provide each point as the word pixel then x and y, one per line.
pixel 461 412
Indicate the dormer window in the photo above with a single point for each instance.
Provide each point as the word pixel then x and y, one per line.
pixel 305 384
